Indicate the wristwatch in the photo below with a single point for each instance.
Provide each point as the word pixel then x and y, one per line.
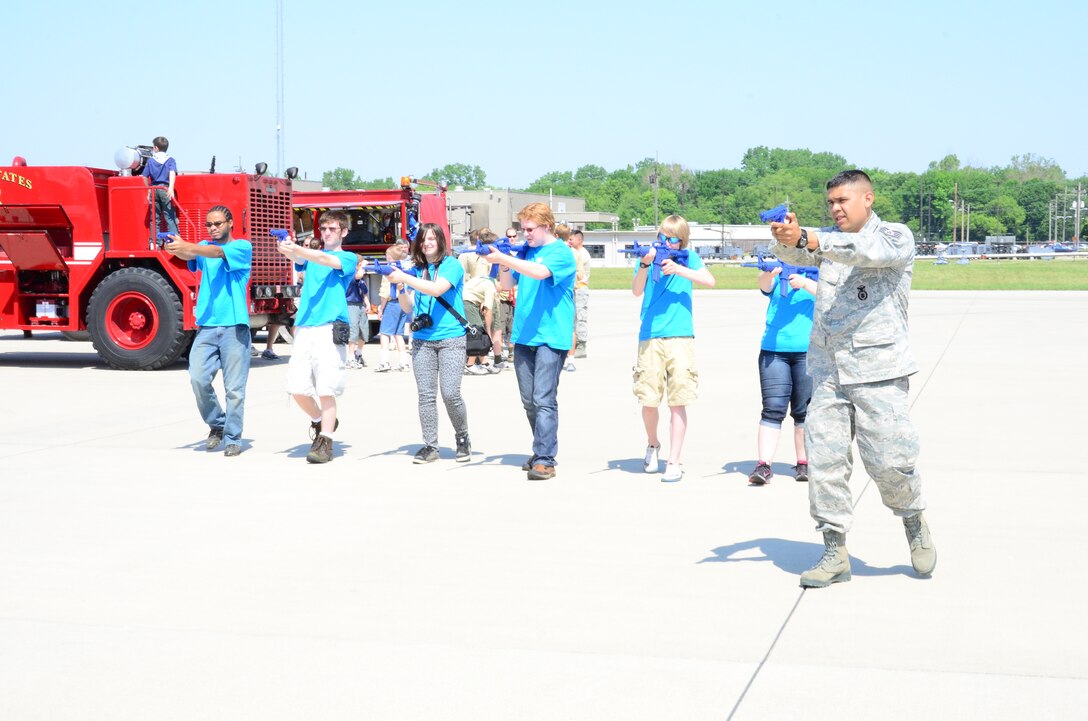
pixel 802 242
pixel 644 265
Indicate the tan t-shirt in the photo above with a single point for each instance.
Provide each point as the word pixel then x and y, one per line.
pixel 480 291
pixel 581 259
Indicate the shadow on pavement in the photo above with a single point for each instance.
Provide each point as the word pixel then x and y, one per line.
pixel 793 557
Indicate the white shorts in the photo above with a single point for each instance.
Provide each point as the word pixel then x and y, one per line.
pixel 316 367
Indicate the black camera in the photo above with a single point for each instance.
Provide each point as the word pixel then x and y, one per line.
pixel 421 321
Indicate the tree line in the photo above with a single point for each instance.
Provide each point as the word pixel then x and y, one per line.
pixel 1027 198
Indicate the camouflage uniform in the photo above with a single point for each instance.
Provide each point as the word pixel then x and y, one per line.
pixel 859 361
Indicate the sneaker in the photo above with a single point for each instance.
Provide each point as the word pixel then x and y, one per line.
pixel 315 429
pixel 253 351
pixel 489 368
pixel 501 366
pixel 321 452
pixel 673 473
pixel 528 465
pixel 426 454
pixel 352 364
pixel 800 472
pixel 580 349
pixel 762 474
pixel 834 565
pixel 569 367
pixel 541 472
pixel 269 354
pixel 464 450
pixel 405 367
pixel 383 367
pixel 232 450
pixel 214 439
pixel 476 370
pixel 362 362
pixel 651 463
pixel 923 554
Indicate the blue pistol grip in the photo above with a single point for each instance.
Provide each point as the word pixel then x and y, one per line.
pixel 279 234
pixel 776 214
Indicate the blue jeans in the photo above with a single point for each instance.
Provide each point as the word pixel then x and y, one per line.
pixel 164 210
pixel 784 380
pixel 538 368
pixel 226 348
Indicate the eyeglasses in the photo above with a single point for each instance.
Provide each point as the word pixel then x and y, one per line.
pixel 667 239
pixel 216 223
pixel 527 230
pixel 512 237
pixel 330 229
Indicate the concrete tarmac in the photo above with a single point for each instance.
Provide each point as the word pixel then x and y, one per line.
pixel 143 578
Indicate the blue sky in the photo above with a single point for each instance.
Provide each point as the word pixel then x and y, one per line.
pixel 521 89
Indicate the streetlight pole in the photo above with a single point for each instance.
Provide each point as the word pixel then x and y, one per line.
pixel 1076 221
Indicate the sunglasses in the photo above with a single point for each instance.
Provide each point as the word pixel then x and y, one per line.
pixel 216 223
pixel 667 239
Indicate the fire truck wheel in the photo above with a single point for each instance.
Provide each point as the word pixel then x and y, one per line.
pixel 136 320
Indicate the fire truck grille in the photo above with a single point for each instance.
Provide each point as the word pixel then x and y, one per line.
pixel 269 207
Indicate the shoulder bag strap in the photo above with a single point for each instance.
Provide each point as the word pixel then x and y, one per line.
pixel 443 303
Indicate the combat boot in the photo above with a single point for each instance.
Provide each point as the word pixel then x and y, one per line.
pixel 580 349
pixel 834 566
pixel 923 554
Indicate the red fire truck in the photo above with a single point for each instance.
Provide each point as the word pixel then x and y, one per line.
pixel 378 217
pixel 78 252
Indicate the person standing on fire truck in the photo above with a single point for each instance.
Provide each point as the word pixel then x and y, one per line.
pixel 161 171
pixel 222 317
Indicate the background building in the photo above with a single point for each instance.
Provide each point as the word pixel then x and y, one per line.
pixel 497 209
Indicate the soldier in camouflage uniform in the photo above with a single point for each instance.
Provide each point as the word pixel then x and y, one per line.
pixel 859 361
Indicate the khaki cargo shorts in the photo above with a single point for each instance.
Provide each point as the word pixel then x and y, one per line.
pixel 666 364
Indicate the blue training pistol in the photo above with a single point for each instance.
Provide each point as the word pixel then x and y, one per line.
pixel 385 267
pixel 280 234
pixel 777 214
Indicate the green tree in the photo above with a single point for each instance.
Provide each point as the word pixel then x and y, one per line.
pixel 470 177
pixel 1035 167
pixel 983 224
pixel 948 163
pixel 340 179
pixel 1034 197
pixel 1005 209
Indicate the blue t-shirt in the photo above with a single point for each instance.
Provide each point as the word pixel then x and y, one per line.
pixel 158 170
pixel 666 304
pixel 223 298
pixel 789 320
pixel 444 324
pixel 544 312
pixel 324 291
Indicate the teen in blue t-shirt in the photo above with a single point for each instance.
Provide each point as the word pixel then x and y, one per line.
pixel 223 298
pixel 783 370
pixel 543 327
pixel 666 348
pixel 438 347
pixel 222 316
pixel 318 356
pixel 545 308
